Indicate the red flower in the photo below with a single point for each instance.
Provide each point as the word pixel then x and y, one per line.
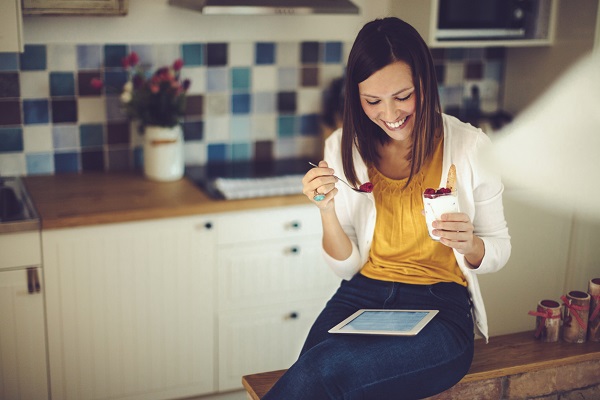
pixel 133 59
pixel 96 83
pixel 177 64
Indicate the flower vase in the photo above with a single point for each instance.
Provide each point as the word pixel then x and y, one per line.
pixel 163 153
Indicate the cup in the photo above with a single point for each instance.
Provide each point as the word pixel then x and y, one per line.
pixel 594 320
pixel 437 204
pixel 547 321
pixel 575 317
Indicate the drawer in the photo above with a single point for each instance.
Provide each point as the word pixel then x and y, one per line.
pixel 274 223
pixel 20 249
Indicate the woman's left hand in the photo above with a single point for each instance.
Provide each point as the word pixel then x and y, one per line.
pixel 456 230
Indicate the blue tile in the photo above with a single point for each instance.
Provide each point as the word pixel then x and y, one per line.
pixel 309 125
pixel 240 129
pixel 193 130
pixel 89 56
pixel 216 80
pixel 286 126
pixel 217 152
pixel 240 78
pixel 309 52
pixel 39 163
pixel 9 61
pixel 11 140
pixel 114 54
pixel 114 81
pixel 36 111
pixel 333 52
pixel 241 151
pixel 455 54
pixel 91 135
pixel 65 137
pixel 240 103
pixel 265 53
pixel 9 85
pixel 62 84
pixel 34 58
pixel 138 158
pixel 193 54
pixel 66 162
pixel 64 110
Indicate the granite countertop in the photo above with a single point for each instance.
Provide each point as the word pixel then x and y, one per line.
pixel 71 200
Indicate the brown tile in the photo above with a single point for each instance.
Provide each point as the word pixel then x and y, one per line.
pixel 474 70
pixel 117 133
pixel 10 112
pixel 193 105
pixel 310 76
pixel 84 86
pixel 263 150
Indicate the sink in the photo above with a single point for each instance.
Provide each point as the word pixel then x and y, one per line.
pixel 10 207
pixel 16 209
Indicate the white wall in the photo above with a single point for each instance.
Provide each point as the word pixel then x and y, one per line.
pixel 154 21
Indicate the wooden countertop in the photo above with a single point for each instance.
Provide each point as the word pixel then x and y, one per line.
pixel 70 200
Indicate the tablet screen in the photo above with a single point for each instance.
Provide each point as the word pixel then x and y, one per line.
pixel 385 322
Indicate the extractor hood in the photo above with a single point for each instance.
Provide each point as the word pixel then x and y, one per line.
pixel 283 7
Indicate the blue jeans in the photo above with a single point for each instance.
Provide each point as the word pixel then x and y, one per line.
pixel 349 367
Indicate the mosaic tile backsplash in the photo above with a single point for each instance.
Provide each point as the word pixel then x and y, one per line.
pixel 246 101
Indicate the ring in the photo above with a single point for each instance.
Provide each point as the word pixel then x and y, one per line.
pixel 318 196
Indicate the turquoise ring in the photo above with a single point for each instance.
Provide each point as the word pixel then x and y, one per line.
pixel 318 196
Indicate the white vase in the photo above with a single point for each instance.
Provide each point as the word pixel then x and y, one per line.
pixel 163 153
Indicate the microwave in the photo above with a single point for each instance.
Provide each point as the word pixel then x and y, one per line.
pixel 487 19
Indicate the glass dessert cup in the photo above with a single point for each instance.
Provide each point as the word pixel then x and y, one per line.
pixel 436 204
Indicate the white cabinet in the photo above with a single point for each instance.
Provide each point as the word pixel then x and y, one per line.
pixel 272 284
pixel 23 371
pixel 11 26
pixel 75 7
pixel 423 15
pixel 130 309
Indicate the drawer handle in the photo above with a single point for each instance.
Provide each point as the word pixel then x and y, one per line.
pixel 33 280
pixel 292 315
pixel 293 250
pixel 294 225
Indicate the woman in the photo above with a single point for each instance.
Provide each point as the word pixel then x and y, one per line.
pixel 395 136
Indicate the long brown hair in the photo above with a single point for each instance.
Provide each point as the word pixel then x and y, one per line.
pixel 379 43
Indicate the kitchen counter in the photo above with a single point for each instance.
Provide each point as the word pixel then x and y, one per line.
pixel 70 200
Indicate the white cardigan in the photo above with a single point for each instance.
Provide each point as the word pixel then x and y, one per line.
pixel 479 196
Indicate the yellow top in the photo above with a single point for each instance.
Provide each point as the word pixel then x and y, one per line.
pixel 402 250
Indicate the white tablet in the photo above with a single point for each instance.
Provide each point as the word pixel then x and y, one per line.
pixel 385 322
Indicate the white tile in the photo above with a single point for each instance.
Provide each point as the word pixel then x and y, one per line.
pixel 285 148
pixel 264 78
pixel 287 54
pixel 194 152
pixel 62 57
pixel 264 127
pixel 197 77
pixel 165 55
pixel 241 54
pixel 12 164
pixel 91 110
pixel 216 129
pixel 455 72
pixel 35 84
pixel 37 138
pixel 65 137
pixel 309 101
pixel 329 72
pixel 216 104
pixel 309 146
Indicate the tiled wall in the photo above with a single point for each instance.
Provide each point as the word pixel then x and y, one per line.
pixel 247 100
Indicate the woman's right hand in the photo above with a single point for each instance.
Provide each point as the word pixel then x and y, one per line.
pixel 320 181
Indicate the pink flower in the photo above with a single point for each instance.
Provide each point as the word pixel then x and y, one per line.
pixel 177 64
pixel 96 83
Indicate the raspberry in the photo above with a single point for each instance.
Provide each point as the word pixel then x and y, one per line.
pixel 366 187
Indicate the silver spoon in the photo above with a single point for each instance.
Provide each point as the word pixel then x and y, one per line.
pixel 343 181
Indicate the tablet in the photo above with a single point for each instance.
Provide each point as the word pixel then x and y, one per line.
pixel 385 322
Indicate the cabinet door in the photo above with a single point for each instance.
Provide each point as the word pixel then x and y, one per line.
pixel 73 7
pixel 265 339
pixel 130 310
pixel 11 26
pixel 23 371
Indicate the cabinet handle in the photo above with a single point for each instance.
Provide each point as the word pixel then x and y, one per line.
pixel 33 280
pixel 292 315
pixel 293 250
pixel 207 225
pixel 294 225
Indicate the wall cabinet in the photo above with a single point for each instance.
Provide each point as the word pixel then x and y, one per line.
pixel 423 15
pixel 75 7
pixel 11 26
pixel 130 309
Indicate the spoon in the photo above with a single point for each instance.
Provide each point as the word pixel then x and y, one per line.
pixel 343 181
